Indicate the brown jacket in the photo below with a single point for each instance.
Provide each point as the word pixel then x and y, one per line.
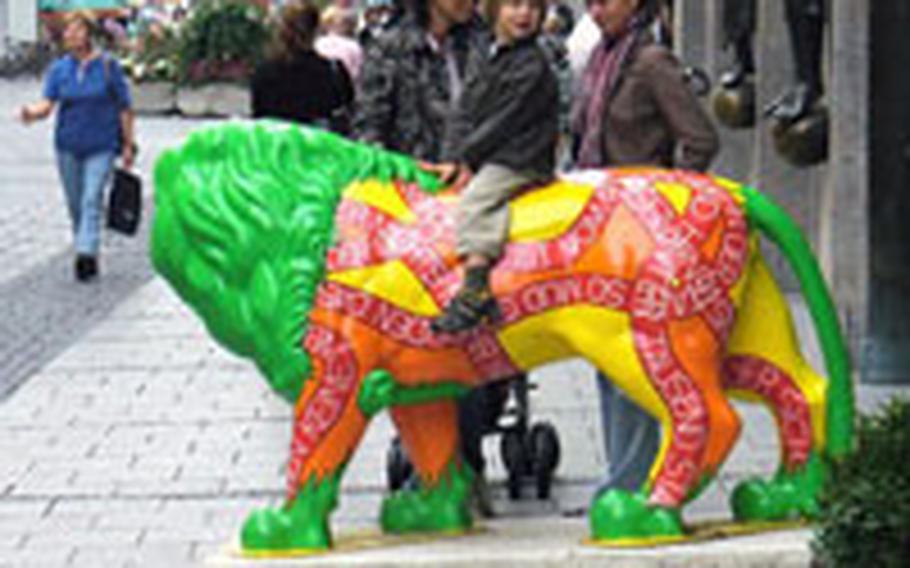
pixel 653 118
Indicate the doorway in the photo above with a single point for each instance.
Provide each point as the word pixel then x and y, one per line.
pixel 887 353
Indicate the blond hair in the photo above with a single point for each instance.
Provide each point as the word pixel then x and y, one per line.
pixel 84 17
pixel 339 20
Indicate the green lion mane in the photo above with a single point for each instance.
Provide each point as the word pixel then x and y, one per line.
pixel 244 217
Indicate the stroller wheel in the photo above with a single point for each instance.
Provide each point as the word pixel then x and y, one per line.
pixel 398 466
pixel 515 457
pixel 514 486
pixel 543 482
pixel 543 445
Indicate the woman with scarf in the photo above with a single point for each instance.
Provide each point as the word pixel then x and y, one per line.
pixel 634 108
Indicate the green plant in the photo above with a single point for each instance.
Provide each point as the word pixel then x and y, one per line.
pixel 865 505
pixel 221 41
pixel 155 56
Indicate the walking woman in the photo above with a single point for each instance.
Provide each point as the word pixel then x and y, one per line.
pixel 94 125
pixel 635 108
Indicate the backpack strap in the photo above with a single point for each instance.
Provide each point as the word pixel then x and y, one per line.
pixel 109 85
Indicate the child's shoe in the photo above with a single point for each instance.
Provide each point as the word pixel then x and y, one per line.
pixel 473 305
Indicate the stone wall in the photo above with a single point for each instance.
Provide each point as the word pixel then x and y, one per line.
pixel 4 24
pixel 21 19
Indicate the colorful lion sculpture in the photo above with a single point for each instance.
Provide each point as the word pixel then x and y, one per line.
pixel 324 261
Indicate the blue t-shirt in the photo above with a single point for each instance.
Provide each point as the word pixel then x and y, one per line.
pixel 89 104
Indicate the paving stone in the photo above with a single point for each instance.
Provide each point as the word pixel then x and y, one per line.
pixel 176 554
pixel 78 538
pixel 43 309
pixel 39 558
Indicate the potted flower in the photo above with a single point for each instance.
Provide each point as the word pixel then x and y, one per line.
pixel 220 45
pixel 152 66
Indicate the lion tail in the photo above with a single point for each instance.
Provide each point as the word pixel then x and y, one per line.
pixel 774 222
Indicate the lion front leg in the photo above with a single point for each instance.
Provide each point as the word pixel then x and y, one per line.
pixel 328 425
pixel 429 433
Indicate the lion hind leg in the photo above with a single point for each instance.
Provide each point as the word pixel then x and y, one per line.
pixel 764 364
pixel 429 433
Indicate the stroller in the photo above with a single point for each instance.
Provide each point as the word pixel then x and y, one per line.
pixel 530 452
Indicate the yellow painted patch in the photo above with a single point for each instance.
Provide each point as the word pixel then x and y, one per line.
pixel 546 213
pixel 382 196
pixel 393 282
pixel 765 329
pixel 739 287
pixel 677 194
pixel 601 336
pixel 734 187
pixel 449 198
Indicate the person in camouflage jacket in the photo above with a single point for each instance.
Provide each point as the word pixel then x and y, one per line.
pixel 411 77
pixel 409 86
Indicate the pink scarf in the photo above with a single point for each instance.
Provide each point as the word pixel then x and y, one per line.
pixel 597 84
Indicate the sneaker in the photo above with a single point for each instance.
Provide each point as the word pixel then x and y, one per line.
pixel 467 310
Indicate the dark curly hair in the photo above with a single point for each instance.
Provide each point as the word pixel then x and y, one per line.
pixel 296 29
pixel 419 10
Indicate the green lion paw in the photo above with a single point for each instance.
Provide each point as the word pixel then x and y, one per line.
pixel 621 515
pixel 272 530
pixel 786 496
pixel 302 524
pixel 442 508
pixel 415 511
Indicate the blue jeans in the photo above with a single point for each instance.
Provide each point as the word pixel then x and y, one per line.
pixel 631 439
pixel 84 179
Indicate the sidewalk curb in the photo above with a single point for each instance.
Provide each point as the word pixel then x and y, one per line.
pixel 547 542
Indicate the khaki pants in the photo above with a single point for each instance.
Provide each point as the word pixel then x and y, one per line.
pixel 482 217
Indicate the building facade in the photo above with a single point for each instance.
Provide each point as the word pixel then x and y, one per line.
pixel 855 206
pixel 18 21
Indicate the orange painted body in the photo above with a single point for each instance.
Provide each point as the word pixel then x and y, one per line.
pixel 642 272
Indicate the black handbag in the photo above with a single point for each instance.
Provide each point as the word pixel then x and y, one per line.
pixel 124 206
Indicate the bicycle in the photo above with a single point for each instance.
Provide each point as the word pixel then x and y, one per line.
pixel 22 58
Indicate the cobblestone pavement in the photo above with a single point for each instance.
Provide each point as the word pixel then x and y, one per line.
pixel 42 310
pixel 145 444
pixel 132 439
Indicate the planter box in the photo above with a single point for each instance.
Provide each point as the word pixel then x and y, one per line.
pixel 214 100
pixel 154 97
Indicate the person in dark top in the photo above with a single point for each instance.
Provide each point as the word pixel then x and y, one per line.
pixel 297 84
pixel 410 83
pixel 505 131
pixel 413 75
